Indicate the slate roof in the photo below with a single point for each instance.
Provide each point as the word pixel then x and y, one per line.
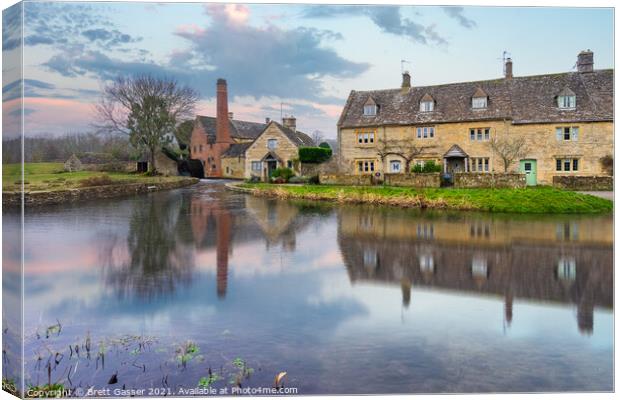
pixel 524 100
pixel 237 150
pixel 238 129
pixel 297 137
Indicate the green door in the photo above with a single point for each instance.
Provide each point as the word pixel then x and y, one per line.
pixel 528 167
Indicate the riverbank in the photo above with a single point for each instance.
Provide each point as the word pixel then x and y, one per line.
pixel 117 189
pixel 535 200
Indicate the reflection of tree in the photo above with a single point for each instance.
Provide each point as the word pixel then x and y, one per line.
pixel 153 262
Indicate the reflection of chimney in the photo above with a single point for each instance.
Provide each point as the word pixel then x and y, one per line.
pixel 585 61
pixel 406 85
pixel 508 68
pixel 222 135
pixel 290 122
pixel 585 316
pixel 222 219
pixel 405 286
pixel 508 308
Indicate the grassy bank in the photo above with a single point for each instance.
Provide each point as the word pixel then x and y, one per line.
pixel 52 177
pixel 530 200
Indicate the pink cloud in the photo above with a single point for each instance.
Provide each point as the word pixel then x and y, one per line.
pixel 48 115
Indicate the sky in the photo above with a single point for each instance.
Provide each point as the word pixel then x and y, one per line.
pixel 301 60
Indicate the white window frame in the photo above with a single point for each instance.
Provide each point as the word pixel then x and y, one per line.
pixel 270 142
pixel 365 137
pixel 370 110
pixel 479 134
pixel 425 132
pixel 479 267
pixel 427 106
pixel 427 263
pixel 257 166
pixel 567 102
pixel 365 166
pixel 567 268
pixel 479 103
pixel 394 163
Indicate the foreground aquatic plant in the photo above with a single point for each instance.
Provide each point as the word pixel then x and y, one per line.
pixel 243 371
pixel 207 381
pixel 187 352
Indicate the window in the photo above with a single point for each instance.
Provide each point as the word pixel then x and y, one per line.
pixel 567 269
pixel 479 267
pixel 365 136
pixel 289 164
pixel 370 109
pixel 480 164
pixel 567 231
pixel 200 149
pixel 425 231
pixel 567 133
pixel 427 106
pixel 567 101
pixel 479 102
pixel 365 166
pixel 370 258
pixel 425 132
pixel 227 170
pixel 427 263
pixel 256 166
pixel 272 144
pixel 395 166
pixel 195 151
pixel 480 134
pixel 567 164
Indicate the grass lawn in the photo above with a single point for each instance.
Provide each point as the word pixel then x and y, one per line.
pixel 540 199
pixel 51 176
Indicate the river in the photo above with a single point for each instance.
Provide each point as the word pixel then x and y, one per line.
pixel 166 289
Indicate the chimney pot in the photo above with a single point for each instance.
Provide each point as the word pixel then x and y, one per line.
pixel 230 115
pixel 290 122
pixel 585 61
pixel 267 120
pixel 508 68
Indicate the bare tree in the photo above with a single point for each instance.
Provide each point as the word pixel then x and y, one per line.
pixel 317 137
pixel 147 109
pixel 509 149
pixel 407 149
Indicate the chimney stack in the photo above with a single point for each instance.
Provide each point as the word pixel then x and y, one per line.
pixel 267 120
pixel 406 85
pixel 222 134
pixel 508 68
pixel 585 61
pixel 290 122
pixel 230 115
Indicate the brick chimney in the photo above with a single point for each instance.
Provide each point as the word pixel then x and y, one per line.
pixel 406 85
pixel 508 68
pixel 585 61
pixel 222 134
pixel 290 122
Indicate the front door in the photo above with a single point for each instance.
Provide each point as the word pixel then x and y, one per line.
pixel 271 166
pixel 528 167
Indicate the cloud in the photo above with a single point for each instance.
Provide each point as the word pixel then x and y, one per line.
pixel 386 18
pixel 457 13
pixel 11 27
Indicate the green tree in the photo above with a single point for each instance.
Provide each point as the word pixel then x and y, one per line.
pixel 147 109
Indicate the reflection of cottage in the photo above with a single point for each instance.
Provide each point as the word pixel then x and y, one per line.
pixel 506 264
pixel 566 120
pixel 277 219
pixel 233 148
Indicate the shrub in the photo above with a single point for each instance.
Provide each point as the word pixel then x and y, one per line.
pixel 417 169
pixel 253 179
pixel 284 173
pixel 608 164
pixel 325 145
pixel 299 179
pixel 430 166
pixel 314 180
pixel 314 155
pixel 101 180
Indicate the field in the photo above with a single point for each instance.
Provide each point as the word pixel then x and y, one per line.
pixel 540 199
pixel 51 176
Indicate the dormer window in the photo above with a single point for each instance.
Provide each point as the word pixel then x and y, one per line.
pixel 479 99
pixel 427 103
pixel 370 107
pixel 567 99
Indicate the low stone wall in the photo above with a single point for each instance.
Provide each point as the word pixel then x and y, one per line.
pixel 488 180
pixel 13 199
pixel 596 183
pixel 350 180
pixel 419 180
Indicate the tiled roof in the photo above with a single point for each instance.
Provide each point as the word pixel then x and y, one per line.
pixel 523 100
pixel 237 150
pixel 238 129
pixel 297 137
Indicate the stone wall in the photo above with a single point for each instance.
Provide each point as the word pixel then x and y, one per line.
pixel 233 167
pixel 328 167
pixel 13 199
pixel 584 182
pixel 420 180
pixel 351 180
pixel 489 180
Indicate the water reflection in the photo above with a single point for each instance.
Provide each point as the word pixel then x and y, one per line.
pixel 559 259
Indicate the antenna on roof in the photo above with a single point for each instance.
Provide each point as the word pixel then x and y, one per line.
pixel 402 65
pixel 505 56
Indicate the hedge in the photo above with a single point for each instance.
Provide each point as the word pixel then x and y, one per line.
pixel 314 155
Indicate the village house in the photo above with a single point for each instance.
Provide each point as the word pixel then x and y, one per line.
pixel 565 121
pixel 230 148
